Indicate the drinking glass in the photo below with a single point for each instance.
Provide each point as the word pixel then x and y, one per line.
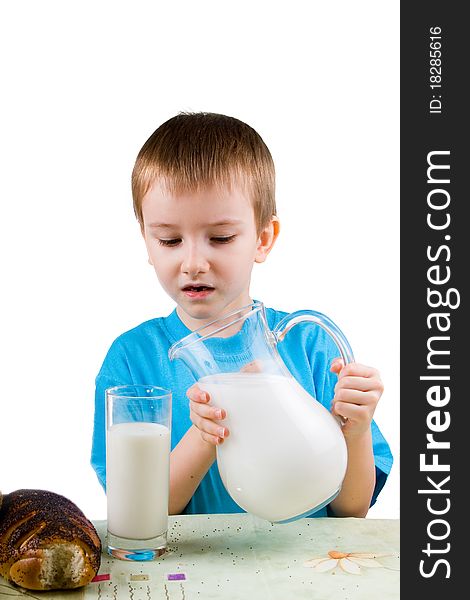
pixel 138 433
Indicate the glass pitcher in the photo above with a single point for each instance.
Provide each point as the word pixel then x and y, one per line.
pixel 286 455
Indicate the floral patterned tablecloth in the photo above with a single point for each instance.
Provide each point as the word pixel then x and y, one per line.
pixel 239 556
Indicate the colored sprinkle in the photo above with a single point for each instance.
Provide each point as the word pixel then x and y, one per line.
pixel 176 577
pixel 140 577
pixel 103 577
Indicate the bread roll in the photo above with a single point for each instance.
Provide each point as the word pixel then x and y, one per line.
pixel 46 542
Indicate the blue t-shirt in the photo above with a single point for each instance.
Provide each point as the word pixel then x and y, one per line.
pixel 140 356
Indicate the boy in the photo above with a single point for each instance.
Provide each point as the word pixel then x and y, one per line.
pixel 203 190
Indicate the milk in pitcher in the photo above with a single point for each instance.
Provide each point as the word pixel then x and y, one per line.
pixel 280 471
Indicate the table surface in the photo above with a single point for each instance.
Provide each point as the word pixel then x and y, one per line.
pixel 240 556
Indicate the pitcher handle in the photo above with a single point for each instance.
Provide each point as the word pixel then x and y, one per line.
pixel 286 324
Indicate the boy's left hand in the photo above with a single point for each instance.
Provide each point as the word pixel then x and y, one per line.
pixel 357 393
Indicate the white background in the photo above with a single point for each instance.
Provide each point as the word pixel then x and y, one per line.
pixel 83 86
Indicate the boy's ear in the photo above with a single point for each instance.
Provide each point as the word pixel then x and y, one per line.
pixel 267 239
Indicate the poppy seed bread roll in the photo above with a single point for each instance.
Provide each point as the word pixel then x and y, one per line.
pixel 46 542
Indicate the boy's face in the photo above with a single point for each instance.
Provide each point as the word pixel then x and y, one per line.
pixel 202 246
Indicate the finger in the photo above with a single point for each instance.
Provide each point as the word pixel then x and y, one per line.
pixel 363 384
pixel 195 394
pixel 356 397
pixel 336 365
pixel 209 427
pixel 206 411
pixel 194 388
pixel 255 366
pixel 359 370
pixel 352 412
pixel 212 439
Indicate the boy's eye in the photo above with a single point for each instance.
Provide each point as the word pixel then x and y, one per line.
pixel 173 242
pixel 224 239
pixel 221 239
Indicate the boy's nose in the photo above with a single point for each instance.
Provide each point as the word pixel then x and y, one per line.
pixel 194 263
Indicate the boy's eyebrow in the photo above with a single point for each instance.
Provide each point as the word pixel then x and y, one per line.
pixel 161 225
pixel 215 224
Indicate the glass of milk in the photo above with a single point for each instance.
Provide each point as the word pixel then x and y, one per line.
pixel 138 433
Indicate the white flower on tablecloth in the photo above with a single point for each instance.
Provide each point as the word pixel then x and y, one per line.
pixel 351 562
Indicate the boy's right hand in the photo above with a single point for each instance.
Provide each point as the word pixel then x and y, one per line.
pixel 204 416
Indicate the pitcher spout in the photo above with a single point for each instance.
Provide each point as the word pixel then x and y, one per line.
pixel 227 344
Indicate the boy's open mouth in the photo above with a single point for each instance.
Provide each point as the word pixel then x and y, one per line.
pixel 198 291
pixel 197 288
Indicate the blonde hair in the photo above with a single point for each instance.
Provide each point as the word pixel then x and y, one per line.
pixel 195 150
